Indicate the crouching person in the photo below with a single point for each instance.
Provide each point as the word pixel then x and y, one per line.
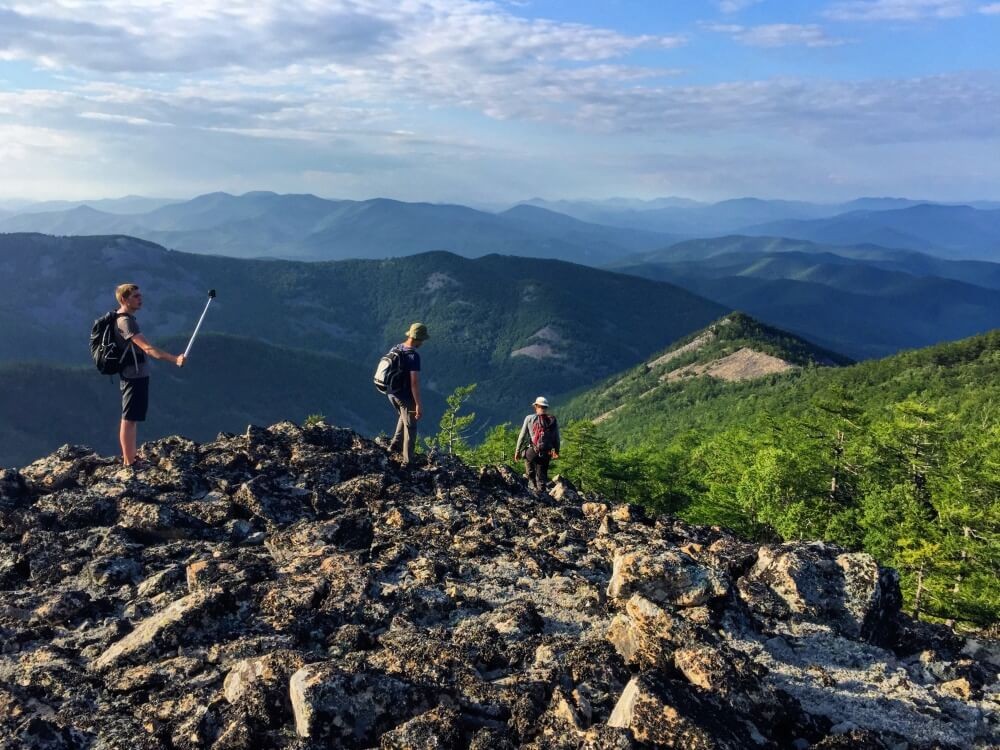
pixel 538 444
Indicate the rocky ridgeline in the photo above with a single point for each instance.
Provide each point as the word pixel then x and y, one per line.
pixel 296 588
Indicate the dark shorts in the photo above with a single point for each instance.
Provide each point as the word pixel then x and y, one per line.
pixel 135 399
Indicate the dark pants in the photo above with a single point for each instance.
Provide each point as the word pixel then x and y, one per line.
pixel 537 468
pixel 404 440
pixel 135 399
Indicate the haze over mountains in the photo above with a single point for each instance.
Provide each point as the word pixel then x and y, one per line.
pixel 862 301
pixel 306 227
pixel 309 228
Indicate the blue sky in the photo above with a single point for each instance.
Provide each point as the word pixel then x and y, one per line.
pixel 491 102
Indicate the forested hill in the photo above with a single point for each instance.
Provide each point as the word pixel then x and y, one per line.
pixel 732 349
pixel 899 457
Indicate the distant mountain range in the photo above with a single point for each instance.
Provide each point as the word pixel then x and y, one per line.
pixel 669 214
pixel 949 231
pixel 305 227
pixel 129 204
pixel 516 326
pixel 862 301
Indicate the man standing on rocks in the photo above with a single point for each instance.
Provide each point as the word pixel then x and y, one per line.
pixel 406 401
pixel 538 444
pixel 135 372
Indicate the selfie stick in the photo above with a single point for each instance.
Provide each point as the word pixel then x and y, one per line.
pixel 211 296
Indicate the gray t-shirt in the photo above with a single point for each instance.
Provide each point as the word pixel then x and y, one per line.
pixel 136 365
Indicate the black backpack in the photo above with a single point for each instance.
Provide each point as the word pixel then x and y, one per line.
pixel 104 350
pixel 390 377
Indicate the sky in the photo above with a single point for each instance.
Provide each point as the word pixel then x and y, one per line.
pixel 486 103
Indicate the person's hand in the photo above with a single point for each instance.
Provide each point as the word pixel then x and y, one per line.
pixel 179 361
pixel 555 454
pixel 417 413
pixel 517 456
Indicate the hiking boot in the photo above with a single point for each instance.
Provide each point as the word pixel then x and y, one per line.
pixel 138 465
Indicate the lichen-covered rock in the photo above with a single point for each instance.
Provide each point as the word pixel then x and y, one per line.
pixel 351 709
pixel 163 628
pixel 434 730
pixel 664 575
pixel 820 584
pixel 297 588
pixel 663 713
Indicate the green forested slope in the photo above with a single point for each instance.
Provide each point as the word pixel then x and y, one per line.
pixel 585 323
pixel 900 457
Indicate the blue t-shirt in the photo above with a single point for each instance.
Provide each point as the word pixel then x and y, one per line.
pixel 411 363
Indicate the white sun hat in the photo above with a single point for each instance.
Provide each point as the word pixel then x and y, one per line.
pixel 541 401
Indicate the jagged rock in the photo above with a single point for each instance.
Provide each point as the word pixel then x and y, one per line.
pixel 268 671
pixel 665 576
pixel 848 591
pixel 435 730
pixel 350 709
pixel 167 624
pixel 155 521
pixel 299 578
pixel 59 470
pixel 661 712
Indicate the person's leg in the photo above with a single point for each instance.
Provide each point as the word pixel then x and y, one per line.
pixel 532 463
pixel 542 472
pixel 135 403
pixel 396 444
pixel 404 439
pixel 409 432
pixel 126 436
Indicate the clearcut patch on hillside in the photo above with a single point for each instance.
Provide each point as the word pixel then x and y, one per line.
pixel 743 364
pixel 543 348
pixel 438 280
pixel 537 351
pixel 692 346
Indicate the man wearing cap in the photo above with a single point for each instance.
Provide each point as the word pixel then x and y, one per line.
pixel 538 443
pixel 406 401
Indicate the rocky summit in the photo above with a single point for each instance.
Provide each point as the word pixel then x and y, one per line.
pixel 295 587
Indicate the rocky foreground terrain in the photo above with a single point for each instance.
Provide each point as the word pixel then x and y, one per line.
pixel 296 588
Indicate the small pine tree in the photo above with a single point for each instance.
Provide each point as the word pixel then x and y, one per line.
pixel 451 436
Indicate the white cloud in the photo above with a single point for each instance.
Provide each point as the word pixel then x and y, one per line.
pixel 991 9
pixel 779 35
pixel 896 10
pixel 365 95
pixel 145 35
pixel 126 119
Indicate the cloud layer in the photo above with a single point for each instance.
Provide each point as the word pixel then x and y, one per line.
pixel 329 90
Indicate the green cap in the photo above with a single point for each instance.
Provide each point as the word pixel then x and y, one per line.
pixel 418 332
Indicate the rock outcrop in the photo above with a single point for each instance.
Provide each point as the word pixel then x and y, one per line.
pixel 297 588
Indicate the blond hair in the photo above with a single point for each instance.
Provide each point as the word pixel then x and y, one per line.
pixel 124 291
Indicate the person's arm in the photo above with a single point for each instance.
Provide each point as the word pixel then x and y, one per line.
pixel 520 438
pixel 140 341
pixel 415 389
pixel 555 437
